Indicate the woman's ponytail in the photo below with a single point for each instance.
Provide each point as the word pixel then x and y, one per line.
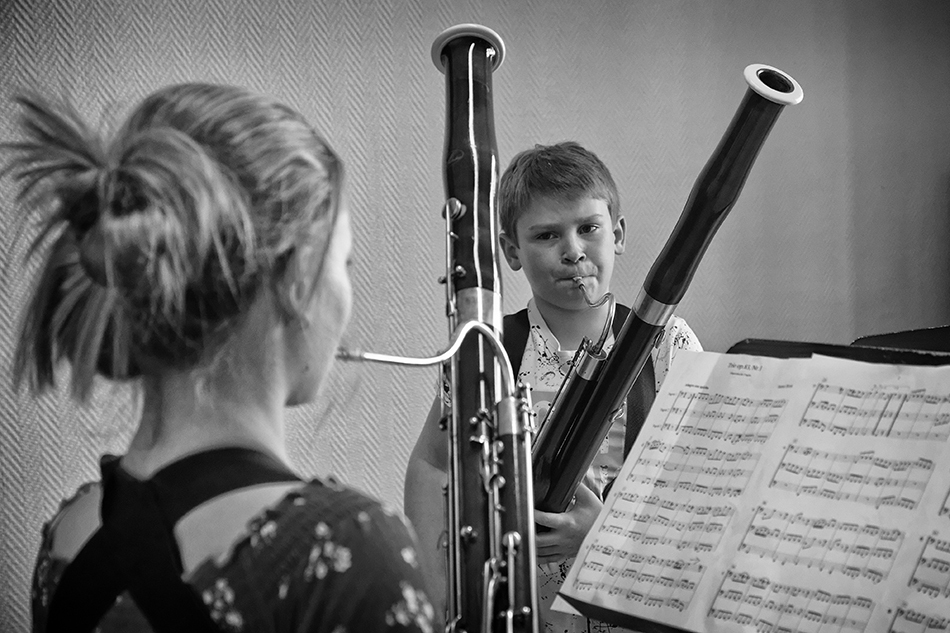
pixel 58 166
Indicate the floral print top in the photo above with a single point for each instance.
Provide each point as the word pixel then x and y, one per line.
pixel 325 559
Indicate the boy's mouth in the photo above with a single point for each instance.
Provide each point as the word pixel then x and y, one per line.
pixel 577 273
pixel 577 278
pixel 575 281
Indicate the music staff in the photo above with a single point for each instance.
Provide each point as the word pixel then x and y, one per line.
pixel 714 471
pixel 670 505
pixel 749 600
pixel 863 477
pixel 895 414
pixel 700 414
pixel 651 580
pixel 866 551
pixel 650 520
pixel 912 621
pixel 931 576
pixel 632 595
pixel 699 469
pixel 711 531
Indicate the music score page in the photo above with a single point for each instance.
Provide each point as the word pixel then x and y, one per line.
pixel 780 495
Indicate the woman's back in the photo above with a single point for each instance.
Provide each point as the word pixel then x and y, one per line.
pixel 275 556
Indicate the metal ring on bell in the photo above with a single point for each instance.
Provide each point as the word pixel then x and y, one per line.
pixel 462 30
pixel 773 84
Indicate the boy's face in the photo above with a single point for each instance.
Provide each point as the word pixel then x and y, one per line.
pixel 562 239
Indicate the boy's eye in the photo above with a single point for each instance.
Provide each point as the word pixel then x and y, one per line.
pixel 588 228
pixel 547 235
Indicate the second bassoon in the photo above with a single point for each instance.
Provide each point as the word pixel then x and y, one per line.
pixel 597 384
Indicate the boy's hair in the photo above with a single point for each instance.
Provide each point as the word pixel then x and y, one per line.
pixel 565 170
pixel 156 239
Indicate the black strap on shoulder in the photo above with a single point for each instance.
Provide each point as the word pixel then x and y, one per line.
pixel 515 337
pixel 642 393
pixel 621 312
pixel 135 549
pixel 639 401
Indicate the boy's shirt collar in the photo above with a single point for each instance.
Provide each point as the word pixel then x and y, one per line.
pixel 544 337
pixel 539 327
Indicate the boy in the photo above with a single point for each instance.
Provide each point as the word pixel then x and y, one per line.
pixel 560 219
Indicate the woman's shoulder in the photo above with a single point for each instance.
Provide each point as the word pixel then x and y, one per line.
pixel 74 521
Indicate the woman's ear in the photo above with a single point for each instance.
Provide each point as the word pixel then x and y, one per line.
pixel 620 234
pixel 510 250
pixel 295 288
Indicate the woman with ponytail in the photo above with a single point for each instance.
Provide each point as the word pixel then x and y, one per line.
pixel 200 250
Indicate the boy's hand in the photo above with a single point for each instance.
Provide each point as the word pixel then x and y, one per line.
pixel 568 528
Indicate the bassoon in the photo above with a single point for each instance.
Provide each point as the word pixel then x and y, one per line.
pixel 491 560
pixel 594 390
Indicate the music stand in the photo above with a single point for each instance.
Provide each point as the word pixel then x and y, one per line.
pixel 928 346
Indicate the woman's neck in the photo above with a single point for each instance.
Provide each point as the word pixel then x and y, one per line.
pixel 180 418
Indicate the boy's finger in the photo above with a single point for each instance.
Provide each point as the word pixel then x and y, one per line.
pixel 546 559
pixel 550 553
pixel 544 541
pixel 585 495
pixel 548 519
pixel 553 558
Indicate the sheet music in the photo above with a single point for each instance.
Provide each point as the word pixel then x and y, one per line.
pixel 781 495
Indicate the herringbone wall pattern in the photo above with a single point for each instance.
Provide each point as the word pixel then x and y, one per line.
pixel 842 229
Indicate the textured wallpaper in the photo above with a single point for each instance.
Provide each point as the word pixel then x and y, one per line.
pixel 841 231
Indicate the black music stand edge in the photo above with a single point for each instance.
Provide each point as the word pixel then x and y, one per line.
pixel 856 351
